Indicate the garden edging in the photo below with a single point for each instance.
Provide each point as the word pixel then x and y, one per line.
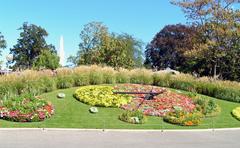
pixel 118 130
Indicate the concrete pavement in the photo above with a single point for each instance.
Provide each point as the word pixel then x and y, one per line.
pixel 49 138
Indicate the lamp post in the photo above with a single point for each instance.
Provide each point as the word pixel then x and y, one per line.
pixel 9 59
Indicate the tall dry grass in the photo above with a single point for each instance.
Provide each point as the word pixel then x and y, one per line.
pixel 38 82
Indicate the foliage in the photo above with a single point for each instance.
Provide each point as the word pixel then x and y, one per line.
pixel 236 113
pixel 98 46
pixel 2 42
pixel 30 46
pixel 65 82
pixel 134 117
pixel 25 109
pixel 207 107
pixel 219 33
pixel 169 45
pixel 141 76
pixel 47 60
pixel 100 96
pixel 46 80
pixel 183 118
pixel 81 79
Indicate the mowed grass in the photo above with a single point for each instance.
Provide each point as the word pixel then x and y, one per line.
pixel 70 113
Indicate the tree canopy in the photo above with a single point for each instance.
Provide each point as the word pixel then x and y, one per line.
pixel 47 60
pixel 99 46
pixel 168 47
pixel 2 42
pixel 219 25
pixel 30 45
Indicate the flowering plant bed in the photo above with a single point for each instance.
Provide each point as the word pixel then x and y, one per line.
pixel 101 96
pixel 160 105
pixel 134 117
pixel 25 109
pixel 236 113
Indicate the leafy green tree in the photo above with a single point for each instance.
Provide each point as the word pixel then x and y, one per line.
pixel 47 60
pixel 219 25
pixel 30 45
pixel 92 37
pixel 2 46
pixel 2 42
pixel 98 46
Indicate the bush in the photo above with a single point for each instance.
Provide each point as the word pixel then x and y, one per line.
pixel 162 80
pixel 207 107
pixel 122 76
pixel 183 118
pixel 81 79
pixel 44 81
pixel 25 109
pixel 134 117
pixel 101 96
pixel 48 84
pixel 236 113
pixel 65 82
pixel 95 78
pixel 141 76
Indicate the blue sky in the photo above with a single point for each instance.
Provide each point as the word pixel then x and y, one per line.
pixel 140 18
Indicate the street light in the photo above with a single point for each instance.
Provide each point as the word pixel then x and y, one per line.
pixel 9 59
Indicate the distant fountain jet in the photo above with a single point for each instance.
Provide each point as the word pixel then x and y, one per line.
pixel 61 52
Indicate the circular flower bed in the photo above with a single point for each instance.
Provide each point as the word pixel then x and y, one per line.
pixel 101 96
pixel 134 117
pixel 183 118
pixel 236 113
pixel 160 105
pixel 25 109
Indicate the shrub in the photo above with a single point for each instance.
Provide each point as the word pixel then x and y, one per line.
pixel 64 82
pixel 95 78
pixel 207 107
pixel 44 81
pixel 25 109
pixel 122 76
pixel 81 79
pixel 101 96
pixel 162 80
pixel 134 117
pixel 48 84
pixel 109 75
pixel 183 118
pixel 141 76
pixel 236 113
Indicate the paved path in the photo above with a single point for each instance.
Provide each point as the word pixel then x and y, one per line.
pixel 37 138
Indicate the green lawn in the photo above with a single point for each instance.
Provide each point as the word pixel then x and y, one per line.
pixel 70 113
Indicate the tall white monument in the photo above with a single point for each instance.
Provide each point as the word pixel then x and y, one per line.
pixel 61 52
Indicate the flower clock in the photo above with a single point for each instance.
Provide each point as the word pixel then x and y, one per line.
pixel 160 105
pixel 25 109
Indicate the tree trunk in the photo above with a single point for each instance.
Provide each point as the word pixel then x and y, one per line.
pixel 215 71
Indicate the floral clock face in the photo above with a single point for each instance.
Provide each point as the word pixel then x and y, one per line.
pixel 161 104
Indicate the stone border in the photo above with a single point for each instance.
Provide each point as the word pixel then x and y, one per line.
pixel 118 130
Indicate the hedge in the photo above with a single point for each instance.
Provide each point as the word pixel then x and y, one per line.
pixel 38 82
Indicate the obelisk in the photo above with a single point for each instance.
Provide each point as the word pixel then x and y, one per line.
pixel 61 51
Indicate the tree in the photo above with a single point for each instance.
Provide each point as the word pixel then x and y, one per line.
pixel 2 46
pixel 2 43
pixel 121 51
pixel 169 45
pixel 47 60
pixel 92 37
pixel 98 46
pixel 30 45
pixel 219 25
